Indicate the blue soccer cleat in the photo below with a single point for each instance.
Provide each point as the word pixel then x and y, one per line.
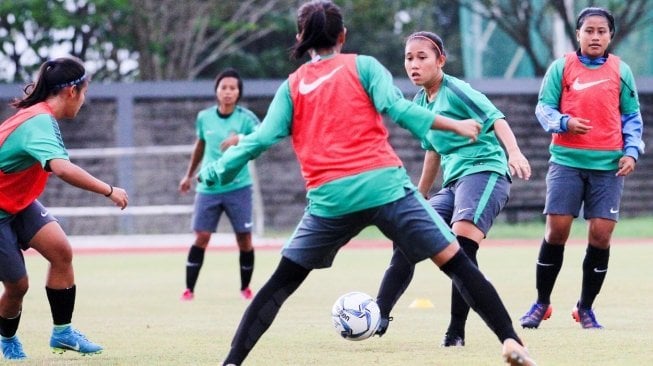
pixel 70 339
pixel 12 349
pixel 586 318
pixel 535 315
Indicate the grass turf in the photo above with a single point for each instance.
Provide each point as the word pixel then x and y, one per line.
pixel 130 304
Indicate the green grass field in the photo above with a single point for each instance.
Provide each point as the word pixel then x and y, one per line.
pixel 130 304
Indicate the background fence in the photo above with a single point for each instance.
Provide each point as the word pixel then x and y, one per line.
pixel 138 136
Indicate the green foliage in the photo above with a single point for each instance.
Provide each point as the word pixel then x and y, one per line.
pixel 124 40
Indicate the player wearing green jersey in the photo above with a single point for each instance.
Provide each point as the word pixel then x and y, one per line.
pixel 31 149
pixel 476 175
pixel 588 102
pixel 331 109
pixel 219 127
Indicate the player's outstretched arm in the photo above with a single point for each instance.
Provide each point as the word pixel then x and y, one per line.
pixel 517 162
pixel 467 127
pixel 80 178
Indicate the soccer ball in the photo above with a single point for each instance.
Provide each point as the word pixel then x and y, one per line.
pixel 355 316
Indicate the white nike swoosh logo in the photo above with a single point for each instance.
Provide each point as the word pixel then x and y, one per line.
pixel 581 86
pixel 544 264
pixel 44 213
pixel 307 88
pixel 189 264
pixel 248 225
pixel 612 210
pixel 600 270
pixel 74 348
pixel 464 209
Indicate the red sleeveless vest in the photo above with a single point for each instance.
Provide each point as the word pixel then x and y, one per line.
pixel 336 131
pixel 19 189
pixel 592 94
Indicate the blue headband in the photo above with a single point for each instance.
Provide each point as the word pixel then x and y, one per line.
pixel 71 83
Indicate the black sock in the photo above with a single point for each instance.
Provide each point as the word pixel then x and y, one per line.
pixel 62 304
pixel 9 326
pixel 459 307
pixel 549 262
pixel 193 266
pixel 264 308
pixel 396 279
pixel 481 295
pixel 246 268
pixel 595 267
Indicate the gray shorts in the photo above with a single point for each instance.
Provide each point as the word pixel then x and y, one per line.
pixel 477 198
pixel 412 225
pixel 237 204
pixel 15 233
pixel 597 191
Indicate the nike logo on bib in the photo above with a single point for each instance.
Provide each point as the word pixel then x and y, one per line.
pixel 305 88
pixel 582 86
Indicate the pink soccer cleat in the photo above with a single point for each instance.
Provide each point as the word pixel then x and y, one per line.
pixel 187 295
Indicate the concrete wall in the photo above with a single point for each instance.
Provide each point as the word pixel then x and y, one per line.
pixel 164 114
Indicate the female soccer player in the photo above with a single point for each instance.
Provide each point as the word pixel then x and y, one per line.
pixel 476 175
pixel 588 101
pixel 331 108
pixel 218 128
pixel 30 149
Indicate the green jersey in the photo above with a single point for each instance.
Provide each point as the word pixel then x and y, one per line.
pixel 459 157
pixel 352 193
pixel 213 129
pixel 553 120
pixel 36 140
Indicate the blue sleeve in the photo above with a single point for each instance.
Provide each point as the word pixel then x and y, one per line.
pixel 275 127
pixel 632 125
pixel 631 129
pixel 550 118
pixel 388 99
pixel 547 110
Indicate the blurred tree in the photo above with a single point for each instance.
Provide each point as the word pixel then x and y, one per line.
pixel 629 16
pixel 528 22
pixel 123 40
pixel 31 31
pixel 182 39
pixel 374 27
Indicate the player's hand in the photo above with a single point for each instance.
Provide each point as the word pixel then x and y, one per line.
pixel 468 128
pixel 119 197
pixel 184 185
pixel 229 141
pixel 626 166
pixel 578 126
pixel 519 165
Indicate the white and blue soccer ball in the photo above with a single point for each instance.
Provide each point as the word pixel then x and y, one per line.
pixel 355 316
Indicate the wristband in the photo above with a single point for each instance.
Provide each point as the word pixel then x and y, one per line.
pixel 110 193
